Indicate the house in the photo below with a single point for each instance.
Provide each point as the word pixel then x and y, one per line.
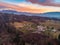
pixel 41 28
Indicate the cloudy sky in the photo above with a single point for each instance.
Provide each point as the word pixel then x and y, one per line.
pixel 33 6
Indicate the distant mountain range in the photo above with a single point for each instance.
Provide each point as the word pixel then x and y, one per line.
pixel 10 11
pixel 49 14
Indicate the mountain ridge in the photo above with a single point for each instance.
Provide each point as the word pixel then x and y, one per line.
pixel 48 14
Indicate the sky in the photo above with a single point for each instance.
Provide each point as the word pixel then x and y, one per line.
pixel 33 6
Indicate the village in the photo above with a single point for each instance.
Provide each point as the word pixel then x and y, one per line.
pixel 29 27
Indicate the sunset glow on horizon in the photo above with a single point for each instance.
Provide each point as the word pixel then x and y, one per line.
pixel 32 6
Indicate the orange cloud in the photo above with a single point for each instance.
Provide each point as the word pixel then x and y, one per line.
pixel 30 8
pixel 23 9
pixel 39 8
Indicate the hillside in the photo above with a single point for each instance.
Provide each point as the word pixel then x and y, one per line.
pixel 17 29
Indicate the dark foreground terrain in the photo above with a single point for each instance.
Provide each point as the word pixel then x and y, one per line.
pixel 11 35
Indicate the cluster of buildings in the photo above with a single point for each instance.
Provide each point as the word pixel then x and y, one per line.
pixel 54 33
